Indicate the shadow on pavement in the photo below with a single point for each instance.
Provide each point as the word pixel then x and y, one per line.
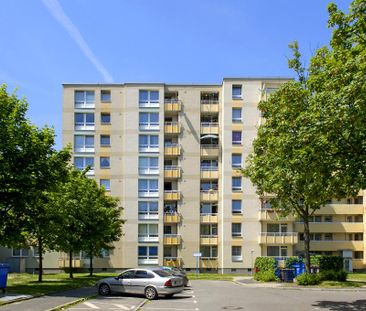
pixel 357 305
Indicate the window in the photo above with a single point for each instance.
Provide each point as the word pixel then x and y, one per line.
pixel 236 206
pixel 148 187
pixel 149 121
pixel 142 274
pixel 35 252
pixel 358 255
pixel 209 252
pixel 236 92
pixel 317 218
pixel 236 160
pixel 148 143
pixel 209 230
pixel 236 253
pixel 273 251
pixel 106 183
pixel 148 98
pixel 84 121
pixel 84 99
pixel 81 163
pixel 236 184
pixel 148 253
pixel 328 236
pixel 283 251
pixel 23 252
pixel 236 115
pixel 105 140
pixel 208 209
pixel 328 218
pixel 236 138
pixel 236 229
pixel 105 118
pixel 148 233
pixel 104 253
pixel 209 186
pixel 105 96
pixel 84 143
pixel 105 162
pixel 148 165
pixel 148 209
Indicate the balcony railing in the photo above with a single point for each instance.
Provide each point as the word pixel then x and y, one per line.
pixel 144 260
pixel 278 238
pixel 209 195
pixel 209 218
pixel 84 104
pixel 209 262
pixel 85 126
pixel 171 149
pixel 171 128
pixel 149 171
pixel 209 101
pixel 85 148
pixel 152 126
pixel 209 127
pixel 149 148
pixel 149 194
pixel 209 105
pixel 173 261
pixel 173 217
pixel 172 171
pixel 149 104
pixel 172 239
pixel 148 238
pixel 171 195
pixel 148 216
pixel 237 258
pixel 172 105
pixel 210 150
pixel 208 239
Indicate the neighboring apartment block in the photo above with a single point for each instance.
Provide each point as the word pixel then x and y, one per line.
pixel 171 154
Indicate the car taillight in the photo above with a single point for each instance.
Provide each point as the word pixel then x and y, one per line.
pixel 168 283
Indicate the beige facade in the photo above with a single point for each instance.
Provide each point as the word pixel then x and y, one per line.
pixel 171 154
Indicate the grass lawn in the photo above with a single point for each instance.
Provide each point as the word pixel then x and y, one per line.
pixel 357 277
pixel 347 284
pixel 212 276
pixel 23 283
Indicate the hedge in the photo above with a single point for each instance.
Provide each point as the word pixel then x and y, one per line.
pixel 334 263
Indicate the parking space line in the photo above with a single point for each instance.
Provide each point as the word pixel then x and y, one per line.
pixel 177 309
pixel 90 305
pixel 121 306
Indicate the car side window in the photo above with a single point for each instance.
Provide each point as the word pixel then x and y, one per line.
pixel 142 274
pixel 127 275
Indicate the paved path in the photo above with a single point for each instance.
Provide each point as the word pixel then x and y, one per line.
pixel 116 303
pixel 49 301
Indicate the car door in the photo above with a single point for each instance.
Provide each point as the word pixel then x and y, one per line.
pixel 141 280
pixel 123 284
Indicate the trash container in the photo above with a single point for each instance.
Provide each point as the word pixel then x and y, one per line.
pixel 287 275
pixel 4 270
pixel 299 268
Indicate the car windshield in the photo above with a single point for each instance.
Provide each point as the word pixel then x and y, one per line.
pixel 162 273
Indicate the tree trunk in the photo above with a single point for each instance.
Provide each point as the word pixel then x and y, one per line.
pixel 40 259
pixel 307 243
pixel 70 265
pixel 91 265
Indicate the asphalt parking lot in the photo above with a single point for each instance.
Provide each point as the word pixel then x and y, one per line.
pixel 224 295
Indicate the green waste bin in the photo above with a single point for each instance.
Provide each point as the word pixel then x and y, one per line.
pixel 4 270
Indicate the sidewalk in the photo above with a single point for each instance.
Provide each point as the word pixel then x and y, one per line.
pixel 51 301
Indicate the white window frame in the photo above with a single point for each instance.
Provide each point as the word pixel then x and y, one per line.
pixel 237 96
pixel 104 145
pixel 212 252
pixel 149 169
pixel 234 187
pixel 235 164
pixel 104 167
pixel 92 167
pixel 148 147
pixel 84 147
pixel 106 187
pixel 236 253
pixel 148 259
pixel 149 125
pixel 151 235
pixel 149 214
pixel 150 192
pixel 84 125
pixel 237 142
pixel 235 119
pixel 21 250
pixel 241 207
pixel 236 233
pixel 105 114
pixel 84 103
pixel 149 103
pixel 105 100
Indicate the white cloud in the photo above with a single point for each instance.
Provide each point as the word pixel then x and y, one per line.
pixel 59 14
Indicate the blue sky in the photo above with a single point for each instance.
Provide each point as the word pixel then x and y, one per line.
pixel 48 42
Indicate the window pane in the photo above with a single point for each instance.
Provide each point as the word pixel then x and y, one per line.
pixel 89 96
pixel 142 250
pixel 144 117
pixel 89 162
pixel 143 206
pixel 104 162
pixel 154 140
pixel 143 162
pixel 154 206
pixel 89 117
pixel 105 183
pixel 154 117
pixel 79 118
pixel 236 91
pixel 236 137
pixel 79 96
pixel 143 140
pixel 154 184
pixel 143 96
pixel 16 252
pixel 105 96
pixel 105 140
pixel 79 163
pixel 79 141
pixel 153 250
pixel 236 114
pixel 154 96
pixel 142 185
pixel 89 141
pixel 236 160
pixel 236 206
pixel 154 162
pixel 106 118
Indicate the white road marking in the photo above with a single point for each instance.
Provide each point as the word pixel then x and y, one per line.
pixel 151 308
pixel 90 305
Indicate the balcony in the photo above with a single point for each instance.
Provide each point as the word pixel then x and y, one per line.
pixel 209 240
pixel 173 262
pixel 172 105
pixel 209 128
pixel 209 218
pixel 209 195
pixel 172 239
pixel 332 245
pixel 209 151
pixel 209 172
pixel 172 172
pixel 148 216
pixel 171 128
pixel 271 215
pixel 209 105
pixel 172 195
pixel 148 261
pixel 65 263
pixel 325 227
pixel 172 150
pixel 341 209
pixel 209 263
pixel 172 218
pixel 278 238
pixel 148 238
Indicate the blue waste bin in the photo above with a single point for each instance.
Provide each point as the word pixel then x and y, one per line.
pixel 287 275
pixel 4 270
pixel 299 268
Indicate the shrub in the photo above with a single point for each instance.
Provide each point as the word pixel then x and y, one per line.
pixel 265 276
pixel 308 279
pixel 334 263
pixel 265 264
pixel 292 260
pixel 331 275
pixel 314 260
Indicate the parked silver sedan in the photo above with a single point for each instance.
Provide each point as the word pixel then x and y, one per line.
pixel 151 282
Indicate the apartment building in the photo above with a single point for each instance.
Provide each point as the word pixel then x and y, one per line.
pixel 171 154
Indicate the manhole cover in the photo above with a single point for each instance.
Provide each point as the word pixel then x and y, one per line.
pixel 232 308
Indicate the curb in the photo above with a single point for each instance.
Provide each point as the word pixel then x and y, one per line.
pixel 20 299
pixel 141 304
pixel 71 303
pixel 356 289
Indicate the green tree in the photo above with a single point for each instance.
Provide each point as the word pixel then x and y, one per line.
pixel 85 218
pixel 311 146
pixel 29 168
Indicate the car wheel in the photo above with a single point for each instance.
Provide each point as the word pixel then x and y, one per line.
pixel 151 293
pixel 104 290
